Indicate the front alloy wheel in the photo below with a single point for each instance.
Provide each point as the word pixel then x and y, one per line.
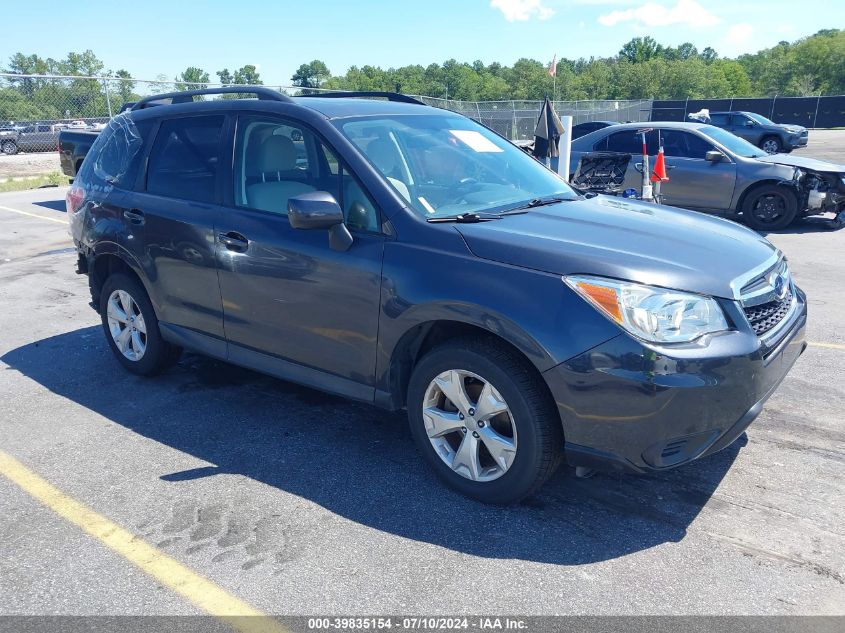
pixel 469 425
pixel 482 417
pixel 771 145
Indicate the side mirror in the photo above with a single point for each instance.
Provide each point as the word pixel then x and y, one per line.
pixel 749 123
pixel 319 210
pixel 714 156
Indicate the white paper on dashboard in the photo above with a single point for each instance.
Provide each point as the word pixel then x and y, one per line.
pixel 475 140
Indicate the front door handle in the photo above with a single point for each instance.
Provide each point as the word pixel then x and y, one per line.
pixel 134 216
pixel 233 241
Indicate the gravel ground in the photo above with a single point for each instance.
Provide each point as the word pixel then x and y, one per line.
pixel 302 503
pixel 26 164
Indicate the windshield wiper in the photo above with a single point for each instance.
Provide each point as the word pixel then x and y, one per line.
pixel 536 202
pixel 467 218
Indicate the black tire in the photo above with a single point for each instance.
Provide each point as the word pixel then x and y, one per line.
pixel 769 208
pixel 771 145
pixel 10 148
pixel 159 354
pixel 538 428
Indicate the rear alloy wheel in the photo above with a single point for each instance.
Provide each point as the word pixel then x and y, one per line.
pixel 9 148
pixel 770 208
pixel 126 325
pixel 483 420
pixel 131 327
pixel 771 145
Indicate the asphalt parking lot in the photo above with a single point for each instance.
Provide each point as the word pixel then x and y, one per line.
pixel 295 502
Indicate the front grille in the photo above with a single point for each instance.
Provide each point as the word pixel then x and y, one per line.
pixel 767 315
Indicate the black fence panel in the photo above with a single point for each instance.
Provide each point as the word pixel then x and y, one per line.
pixel 796 110
pixel 813 112
pixel 831 112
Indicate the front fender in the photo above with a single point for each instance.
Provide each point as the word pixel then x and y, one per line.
pixel 533 311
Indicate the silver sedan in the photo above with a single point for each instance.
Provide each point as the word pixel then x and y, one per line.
pixel 714 171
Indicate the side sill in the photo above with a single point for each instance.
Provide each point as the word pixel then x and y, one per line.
pixel 307 376
pixel 268 364
pixel 193 340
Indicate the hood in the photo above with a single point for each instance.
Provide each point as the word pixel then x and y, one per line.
pixel 803 162
pixel 624 239
pixel 793 128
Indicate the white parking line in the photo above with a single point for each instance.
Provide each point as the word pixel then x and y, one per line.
pixel 33 215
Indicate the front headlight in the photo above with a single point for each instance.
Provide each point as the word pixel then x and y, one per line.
pixel 654 314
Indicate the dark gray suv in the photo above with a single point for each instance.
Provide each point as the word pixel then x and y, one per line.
pixel 408 257
pixel 771 137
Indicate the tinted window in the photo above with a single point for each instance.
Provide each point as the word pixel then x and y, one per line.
pixel 184 159
pixel 719 119
pixel 683 144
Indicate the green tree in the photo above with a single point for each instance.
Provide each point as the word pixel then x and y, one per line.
pixel 247 76
pixel 640 49
pixel 125 86
pixel 311 75
pixel 195 78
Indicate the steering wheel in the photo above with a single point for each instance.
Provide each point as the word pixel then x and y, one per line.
pixel 466 186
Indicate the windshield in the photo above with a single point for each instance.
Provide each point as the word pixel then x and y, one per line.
pixel 732 143
pixel 444 165
pixel 759 118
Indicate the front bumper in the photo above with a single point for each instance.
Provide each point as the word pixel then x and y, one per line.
pixel 796 142
pixel 627 406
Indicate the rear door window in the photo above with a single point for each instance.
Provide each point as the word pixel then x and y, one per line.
pixel 184 159
pixel 627 142
pixel 719 119
pixel 684 145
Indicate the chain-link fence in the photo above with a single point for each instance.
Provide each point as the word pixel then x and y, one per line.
pixel 34 108
pixel 517 120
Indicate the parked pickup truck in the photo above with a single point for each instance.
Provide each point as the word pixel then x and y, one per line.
pixel 38 137
pixel 73 146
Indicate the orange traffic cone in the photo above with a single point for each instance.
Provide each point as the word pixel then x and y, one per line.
pixel 659 174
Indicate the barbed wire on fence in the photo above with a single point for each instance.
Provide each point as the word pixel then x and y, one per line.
pixel 37 106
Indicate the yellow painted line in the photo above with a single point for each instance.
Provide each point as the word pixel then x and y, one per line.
pixel 33 215
pixel 827 345
pixel 169 572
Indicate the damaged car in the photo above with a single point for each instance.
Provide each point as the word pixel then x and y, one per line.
pixel 714 171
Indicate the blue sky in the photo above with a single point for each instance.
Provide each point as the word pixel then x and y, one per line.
pixel 153 37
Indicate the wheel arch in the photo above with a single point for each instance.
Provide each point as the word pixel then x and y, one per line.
pixel 107 260
pixel 757 184
pixel 417 340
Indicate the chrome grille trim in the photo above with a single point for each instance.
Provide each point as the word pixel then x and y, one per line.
pixel 743 280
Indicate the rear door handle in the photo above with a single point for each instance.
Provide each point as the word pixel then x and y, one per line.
pixel 134 216
pixel 233 241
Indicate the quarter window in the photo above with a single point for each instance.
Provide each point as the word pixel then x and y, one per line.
pixel 184 158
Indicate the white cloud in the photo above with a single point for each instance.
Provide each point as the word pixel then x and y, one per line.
pixel 651 14
pixel 521 10
pixel 739 33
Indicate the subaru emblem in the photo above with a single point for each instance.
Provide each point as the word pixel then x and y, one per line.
pixel 780 287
